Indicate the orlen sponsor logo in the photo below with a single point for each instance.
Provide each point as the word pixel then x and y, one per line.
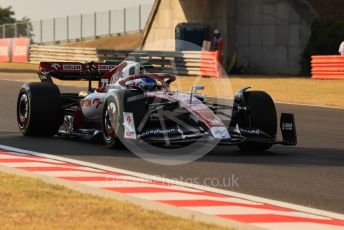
pixel 72 67
pixel 20 50
pixel 106 67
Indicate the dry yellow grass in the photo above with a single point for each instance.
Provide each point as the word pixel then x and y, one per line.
pixel 129 41
pixel 27 203
pixel 21 67
pixel 289 90
pixel 298 90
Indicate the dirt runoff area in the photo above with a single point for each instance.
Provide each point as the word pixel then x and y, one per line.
pixel 282 89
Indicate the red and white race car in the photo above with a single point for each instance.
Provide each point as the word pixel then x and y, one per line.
pixel 133 105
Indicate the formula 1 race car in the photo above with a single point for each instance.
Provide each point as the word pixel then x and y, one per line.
pixel 132 103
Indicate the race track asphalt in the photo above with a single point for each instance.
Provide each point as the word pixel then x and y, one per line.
pixel 311 174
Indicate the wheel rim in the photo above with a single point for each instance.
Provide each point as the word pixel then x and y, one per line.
pixel 110 122
pixel 23 110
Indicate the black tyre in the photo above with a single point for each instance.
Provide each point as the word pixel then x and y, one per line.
pixel 111 123
pixel 262 115
pixel 39 111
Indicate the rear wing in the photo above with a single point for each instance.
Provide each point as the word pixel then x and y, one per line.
pixel 73 71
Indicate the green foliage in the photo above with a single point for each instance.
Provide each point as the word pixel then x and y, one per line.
pixel 325 39
pixel 6 15
pixel 22 28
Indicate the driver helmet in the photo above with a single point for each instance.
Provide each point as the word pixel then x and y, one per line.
pixel 217 32
pixel 146 83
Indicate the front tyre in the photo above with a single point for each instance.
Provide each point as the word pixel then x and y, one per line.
pixel 39 111
pixel 261 115
pixel 111 127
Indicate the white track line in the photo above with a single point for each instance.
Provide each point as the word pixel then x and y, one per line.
pixel 237 210
pixel 309 105
pixel 289 226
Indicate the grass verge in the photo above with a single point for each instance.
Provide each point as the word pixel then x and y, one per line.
pixel 27 203
pixel 128 41
pixel 288 90
pixel 18 67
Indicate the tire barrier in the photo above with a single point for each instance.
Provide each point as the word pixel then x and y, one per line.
pixel 201 63
pixel 328 67
pixel 210 66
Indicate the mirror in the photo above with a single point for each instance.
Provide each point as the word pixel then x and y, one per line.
pixel 195 88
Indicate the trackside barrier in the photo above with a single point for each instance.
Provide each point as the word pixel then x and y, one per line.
pixel 199 63
pixel 5 50
pixel 62 53
pixel 20 50
pixel 14 50
pixel 328 67
pixel 209 64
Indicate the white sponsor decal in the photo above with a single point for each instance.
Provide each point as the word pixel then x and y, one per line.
pixel 104 82
pixel 158 131
pixel 287 126
pixel 72 67
pixel 106 67
pixel 56 66
pixel 20 51
pixel 129 126
pixel 252 131
pixel 220 132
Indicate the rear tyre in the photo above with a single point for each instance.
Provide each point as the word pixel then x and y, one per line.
pixel 39 111
pixel 262 115
pixel 111 126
